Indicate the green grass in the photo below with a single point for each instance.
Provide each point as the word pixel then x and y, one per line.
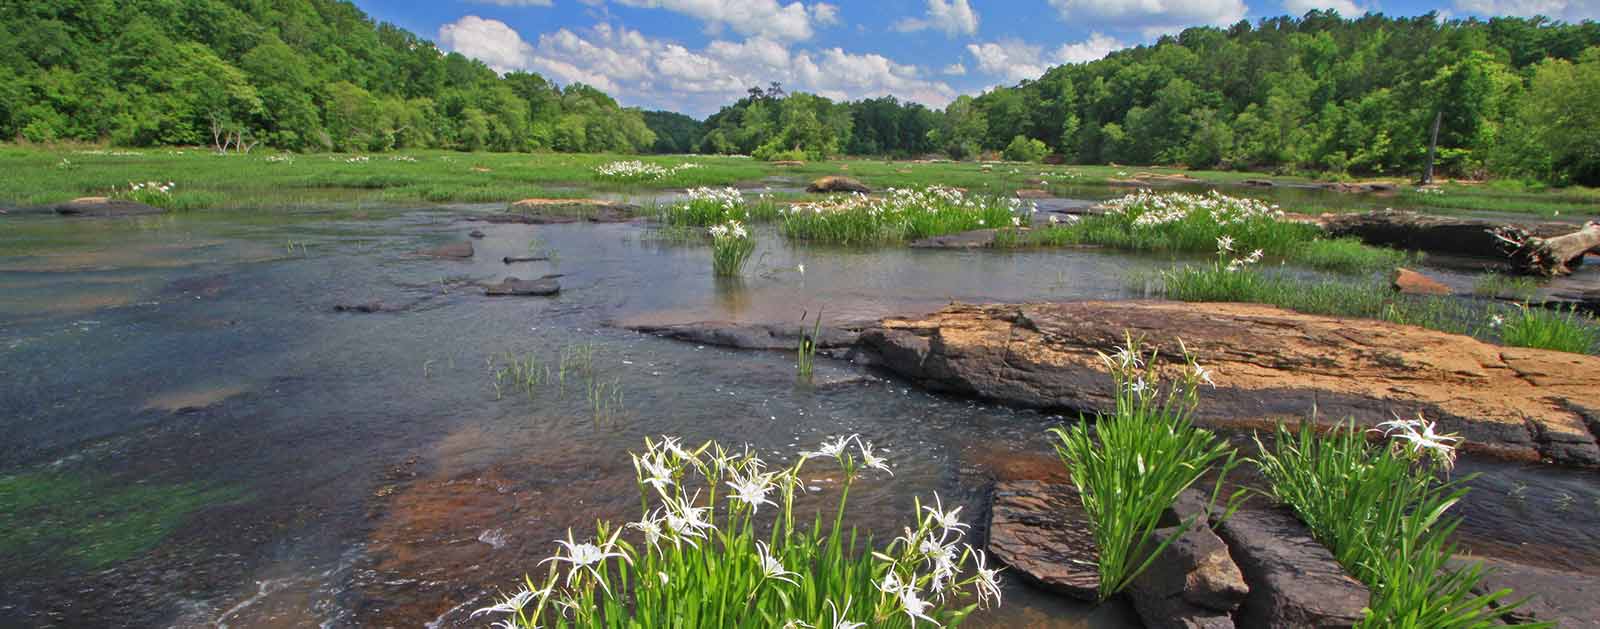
pixel 1136 461
pixel 900 215
pixel 1383 515
pixel 1514 287
pixel 698 558
pixel 1188 223
pixel 90 523
pixel 1562 330
pixel 731 246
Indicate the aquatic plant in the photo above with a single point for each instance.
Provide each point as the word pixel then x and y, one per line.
pixel 1517 287
pixel 806 349
pixel 1139 457
pixel 1381 511
pixel 1560 329
pixel 900 214
pixel 696 557
pixel 638 171
pixel 731 246
pixel 712 206
pixel 151 193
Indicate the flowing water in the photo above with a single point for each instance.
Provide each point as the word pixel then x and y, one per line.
pixel 196 437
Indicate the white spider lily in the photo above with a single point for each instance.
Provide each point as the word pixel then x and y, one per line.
pixel 950 520
pixel 512 604
pixel 870 460
pixel 912 604
pixel 833 449
pixel 685 520
pixel 1204 375
pixel 839 617
pixel 1418 436
pixel 987 580
pixel 587 555
pixel 650 525
pixel 1224 244
pixel 1138 386
pixel 771 568
pixel 751 490
pixel 653 471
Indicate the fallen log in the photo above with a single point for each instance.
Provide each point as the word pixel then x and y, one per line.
pixel 1472 237
pixel 1547 257
pixel 514 259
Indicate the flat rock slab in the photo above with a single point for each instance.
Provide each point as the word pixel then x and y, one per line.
pixel 975 239
pixel 457 250
pixel 1270 365
pixel 1568 599
pixel 1041 531
pixel 516 287
pixel 556 211
pixel 764 336
pixel 838 184
pixel 105 206
pixel 1294 581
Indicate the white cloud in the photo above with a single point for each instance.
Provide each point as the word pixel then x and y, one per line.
pixel 954 17
pixel 517 3
pixel 954 69
pixel 1015 60
pixel 1568 10
pixel 1346 8
pixel 1152 17
pixel 490 41
pixel 639 70
pixel 825 14
pixel 758 18
pixel 1096 47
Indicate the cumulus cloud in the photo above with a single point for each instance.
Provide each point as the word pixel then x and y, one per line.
pixel 659 73
pixel 954 17
pixel 954 69
pixel 1015 60
pixel 491 41
pixel 1346 8
pixel 1152 17
pixel 824 14
pixel 758 18
pixel 1568 10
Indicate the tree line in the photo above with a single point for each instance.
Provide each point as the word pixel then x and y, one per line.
pixel 301 75
pixel 1515 97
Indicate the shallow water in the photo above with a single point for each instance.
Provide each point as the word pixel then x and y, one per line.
pixel 339 469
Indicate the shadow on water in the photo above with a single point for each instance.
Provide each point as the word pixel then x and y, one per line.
pixel 313 467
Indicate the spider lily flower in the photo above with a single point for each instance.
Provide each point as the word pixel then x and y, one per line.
pixel 1203 375
pixel 771 568
pixel 651 470
pixel 839 617
pixel 1419 437
pixel 1224 244
pixel 751 490
pixel 513 604
pixel 685 520
pixel 950 520
pixel 587 555
pixel 986 580
pixel 833 449
pixel 870 460
pixel 912 604
pixel 650 526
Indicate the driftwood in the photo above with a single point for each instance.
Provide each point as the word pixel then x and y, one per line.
pixel 512 259
pixel 1547 257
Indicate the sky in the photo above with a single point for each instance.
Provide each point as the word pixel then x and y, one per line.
pixel 693 56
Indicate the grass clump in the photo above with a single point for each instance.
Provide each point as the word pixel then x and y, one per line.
pixel 1516 287
pixel 1192 223
pixel 699 558
pixel 1562 330
pixel 1381 511
pixel 712 206
pixel 731 246
pixel 900 215
pixel 1138 459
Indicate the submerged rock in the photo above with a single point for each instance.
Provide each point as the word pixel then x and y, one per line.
pixel 763 336
pixel 1271 365
pixel 838 184
pixel 1294 581
pixel 458 250
pixel 975 239
pixel 105 206
pixel 1413 283
pixel 362 307
pixel 1568 599
pixel 516 287
pixel 556 211
pixel 1042 532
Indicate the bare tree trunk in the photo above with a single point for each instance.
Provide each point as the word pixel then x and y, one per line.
pixel 217 133
pixel 1548 257
pixel 1433 146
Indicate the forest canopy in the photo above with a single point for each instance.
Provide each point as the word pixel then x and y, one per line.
pixel 1516 97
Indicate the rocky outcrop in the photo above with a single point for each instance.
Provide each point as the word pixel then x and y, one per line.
pixel 457 250
pixel 1294 581
pixel 1413 283
pixel 760 336
pixel 838 184
pixel 1433 234
pixel 1039 529
pixel 975 239
pixel 1194 583
pixel 1567 599
pixel 517 287
pixel 105 206
pixel 1270 365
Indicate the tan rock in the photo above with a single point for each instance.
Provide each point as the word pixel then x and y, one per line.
pixel 1413 283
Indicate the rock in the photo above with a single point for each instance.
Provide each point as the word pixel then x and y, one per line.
pixel 1259 183
pixel 767 336
pixel 1434 234
pixel 458 250
pixel 537 211
pixel 1041 531
pixel 1195 582
pixel 838 184
pixel 1413 283
pixel 788 162
pixel 1568 599
pixel 975 239
pixel 515 287
pixel 475 234
pixel 516 259
pixel 1033 193
pixel 365 308
pixel 105 206
pixel 1294 581
pixel 1271 365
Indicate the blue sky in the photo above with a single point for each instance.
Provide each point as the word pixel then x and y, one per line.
pixel 695 55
